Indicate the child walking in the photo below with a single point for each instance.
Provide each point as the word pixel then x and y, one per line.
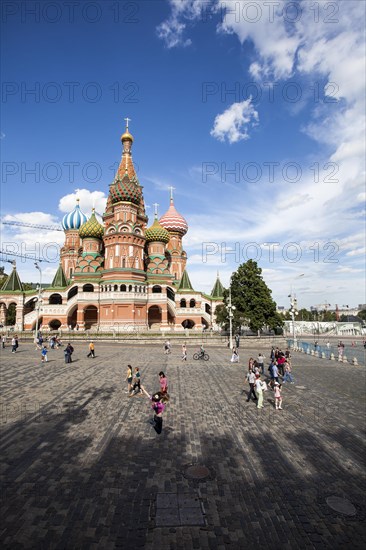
pixel 163 381
pixel 44 354
pixel 158 401
pixel 278 397
pixel 184 352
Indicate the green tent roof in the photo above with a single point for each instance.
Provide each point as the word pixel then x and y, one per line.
pixel 59 280
pixel 185 283
pixel 13 282
pixel 218 289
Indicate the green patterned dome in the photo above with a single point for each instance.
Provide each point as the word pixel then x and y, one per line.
pixel 157 233
pixel 92 228
pixel 125 189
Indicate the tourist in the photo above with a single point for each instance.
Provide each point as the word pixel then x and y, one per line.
pixel 255 367
pixel 288 376
pixel 250 363
pixel 91 350
pixel 129 378
pixel 251 380
pixel 68 353
pixel 184 352
pixel 13 345
pixel 260 361
pixel 201 353
pixel 167 347
pixel 235 356
pixel 278 397
pixel 237 340
pixel 280 364
pixel 3 340
pixel 136 383
pixel 158 405
pixel 275 372
pixel 270 369
pixel 163 381
pixel 44 354
pixel 259 391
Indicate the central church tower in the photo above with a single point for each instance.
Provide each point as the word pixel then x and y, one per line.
pixel 125 222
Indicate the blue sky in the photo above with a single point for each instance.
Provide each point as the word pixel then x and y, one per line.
pixel 254 113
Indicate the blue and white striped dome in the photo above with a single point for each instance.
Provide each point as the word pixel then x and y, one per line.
pixel 74 220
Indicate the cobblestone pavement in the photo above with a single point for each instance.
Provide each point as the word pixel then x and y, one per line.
pixel 83 468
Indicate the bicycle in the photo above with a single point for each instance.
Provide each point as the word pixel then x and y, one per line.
pixel 203 356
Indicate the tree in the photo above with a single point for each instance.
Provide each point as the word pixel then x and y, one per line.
pixel 252 299
pixel 362 314
pixel 222 316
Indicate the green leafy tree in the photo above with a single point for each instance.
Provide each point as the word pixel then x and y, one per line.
pixel 304 315
pixel 362 314
pixel 222 316
pixel 252 299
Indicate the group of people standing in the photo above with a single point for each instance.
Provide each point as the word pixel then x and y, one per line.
pixel 280 365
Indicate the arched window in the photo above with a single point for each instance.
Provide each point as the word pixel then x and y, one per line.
pixel 55 299
pixel 72 292
pixel 88 288
pixel 115 288
pixel 170 293
pixel 188 323
pixel 123 288
pixel 192 303
pixel 156 289
pixel 183 303
pixel 129 288
pixel 54 324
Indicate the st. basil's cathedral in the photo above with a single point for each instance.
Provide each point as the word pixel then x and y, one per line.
pixel 119 275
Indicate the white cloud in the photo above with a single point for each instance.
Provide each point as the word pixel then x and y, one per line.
pixel 172 29
pixel 234 122
pixel 357 252
pixel 88 201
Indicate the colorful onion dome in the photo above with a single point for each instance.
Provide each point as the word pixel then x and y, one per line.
pixel 157 233
pixel 92 228
pixel 173 221
pixel 125 189
pixel 75 219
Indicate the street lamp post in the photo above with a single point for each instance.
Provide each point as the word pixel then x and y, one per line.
pixel 293 309
pixel 231 315
pixel 39 297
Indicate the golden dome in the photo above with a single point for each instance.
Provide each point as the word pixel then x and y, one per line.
pixel 126 136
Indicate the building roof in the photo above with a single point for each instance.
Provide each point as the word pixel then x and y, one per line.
pixel 59 280
pixel 173 221
pixel 157 233
pixel 92 228
pixel 75 219
pixel 13 282
pixel 125 186
pixel 218 289
pixel 185 283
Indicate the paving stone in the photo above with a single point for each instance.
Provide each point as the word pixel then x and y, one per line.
pixel 82 468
